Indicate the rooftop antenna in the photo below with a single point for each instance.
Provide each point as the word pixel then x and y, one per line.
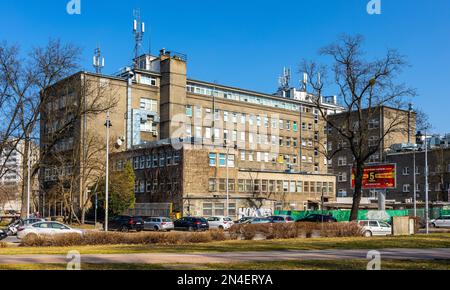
pixel 98 61
pixel 285 79
pixel 304 82
pixel 138 31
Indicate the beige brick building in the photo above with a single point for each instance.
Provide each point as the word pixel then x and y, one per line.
pixel 268 146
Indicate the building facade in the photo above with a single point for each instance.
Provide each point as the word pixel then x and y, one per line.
pixel 380 123
pixel 438 179
pixel 271 141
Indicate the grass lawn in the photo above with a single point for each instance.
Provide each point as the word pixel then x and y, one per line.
pixel 418 241
pixel 291 265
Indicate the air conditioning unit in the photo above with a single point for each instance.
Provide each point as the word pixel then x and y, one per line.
pixel 155 133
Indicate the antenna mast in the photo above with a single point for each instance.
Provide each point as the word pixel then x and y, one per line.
pixel 98 61
pixel 138 31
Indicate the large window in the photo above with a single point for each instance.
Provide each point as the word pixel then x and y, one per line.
pixel 149 105
pixel 222 160
pixel 189 110
pixel 213 159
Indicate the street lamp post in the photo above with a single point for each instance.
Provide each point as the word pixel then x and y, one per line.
pixel 108 125
pixel 28 179
pixel 426 184
pixel 415 183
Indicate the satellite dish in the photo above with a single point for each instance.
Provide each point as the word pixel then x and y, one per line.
pixel 119 143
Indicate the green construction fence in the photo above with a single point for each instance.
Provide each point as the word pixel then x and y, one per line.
pixel 344 215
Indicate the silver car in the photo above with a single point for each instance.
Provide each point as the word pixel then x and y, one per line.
pixel 158 224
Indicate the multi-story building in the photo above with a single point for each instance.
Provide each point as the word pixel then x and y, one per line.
pixel 12 175
pixel 393 126
pixel 438 179
pixel 266 145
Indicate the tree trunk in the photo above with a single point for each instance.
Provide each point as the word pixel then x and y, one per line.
pixel 359 174
pixel 24 196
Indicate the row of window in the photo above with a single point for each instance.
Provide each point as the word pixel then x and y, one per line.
pixel 259 100
pixel 147 186
pixel 252 120
pixel 251 156
pixel 419 187
pixel 52 174
pixel 251 138
pixel 269 186
pixel 156 160
pixel 218 209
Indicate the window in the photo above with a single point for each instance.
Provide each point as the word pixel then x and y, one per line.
pixel 136 163
pixel 299 186
pixel 207 209
pixel 219 209
pixel 189 110
pixel 342 177
pixel 292 186
pixel 207 133
pixel 235 117
pixel 243 118
pixel 142 162
pixel 406 188
pixel 149 105
pixel 149 161
pixel 212 160
pixel 169 158
pixel 374 124
pixel 288 125
pixel 222 186
pixel 406 171
pixel 212 185
pixel 295 126
pixel 222 160
pixel 198 132
pixel 285 186
pixel 176 158
pixel 162 160
pixel 225 116
pixel 231 159
pixel 242 153
pixel 250 156
pixel 342 161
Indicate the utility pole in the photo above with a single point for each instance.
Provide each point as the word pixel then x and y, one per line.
pixel 415 183
pixel 108 125
pixel 426 185
pixel 28 178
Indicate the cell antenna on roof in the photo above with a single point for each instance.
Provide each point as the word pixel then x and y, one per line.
pixel 98 61
pixel 138 32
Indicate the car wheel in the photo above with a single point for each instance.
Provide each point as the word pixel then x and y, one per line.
pixel 221 228
pixel 31 236
pixel 433 225
pixel 368 234
pixel 155 228
pixel 190 229
pixel 124 229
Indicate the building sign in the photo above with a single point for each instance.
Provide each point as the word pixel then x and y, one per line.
pixel 378 177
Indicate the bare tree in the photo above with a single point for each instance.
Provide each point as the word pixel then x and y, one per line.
pixel 365 87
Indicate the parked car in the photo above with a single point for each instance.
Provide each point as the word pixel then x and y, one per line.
pixel 375 228
pixel 243 220
pixel 220 222
pixel 441 222
pixel 318 218
pixel 46 228
pixel 126 223
pixel 259 220
pixel 158 224
pixel 191 224
pixel 281 219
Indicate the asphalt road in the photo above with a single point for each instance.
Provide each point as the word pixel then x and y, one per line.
pixel 238 257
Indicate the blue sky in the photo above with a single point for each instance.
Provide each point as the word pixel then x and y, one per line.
pixel 247 43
